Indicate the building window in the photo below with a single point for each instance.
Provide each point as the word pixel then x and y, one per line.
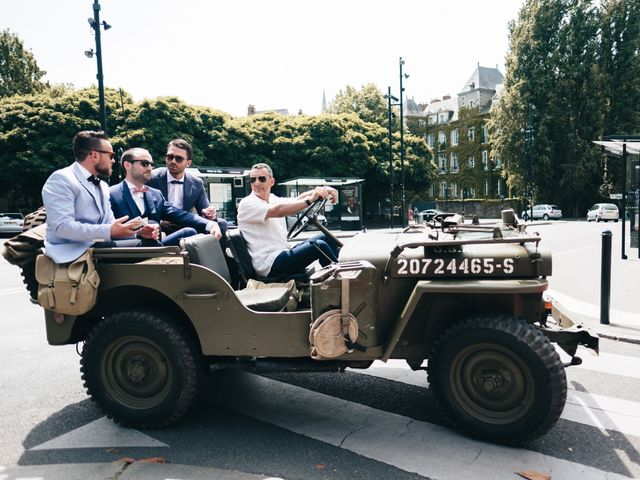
pixel 454 136
pixel 421 123
pixel 442 140
pixel 498 162
pixel 499 188
pixel 443 117
pixel 471 161
pixel 486 188
pixel 471 134
pixel 443 189
pixel 454 163
pixel 472 192
pixel 472 104
pixel 485 134
pixel 431 140
pixel 431 191
pixel 453 191
pixel 442 162
pixel 432 119
pixel 485 160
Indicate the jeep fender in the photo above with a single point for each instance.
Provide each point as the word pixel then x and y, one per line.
pixel 521 288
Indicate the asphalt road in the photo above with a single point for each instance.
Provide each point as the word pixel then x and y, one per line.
pixel 381 423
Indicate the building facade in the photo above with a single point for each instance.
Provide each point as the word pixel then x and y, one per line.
pixel 455 128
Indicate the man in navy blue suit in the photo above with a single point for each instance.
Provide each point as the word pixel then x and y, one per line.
pixel 182 189
pixel 133 198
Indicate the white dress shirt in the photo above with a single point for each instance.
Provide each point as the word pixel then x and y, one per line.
pixel 138 197
pixel 175 191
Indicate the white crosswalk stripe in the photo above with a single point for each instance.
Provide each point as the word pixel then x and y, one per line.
pixel 410 445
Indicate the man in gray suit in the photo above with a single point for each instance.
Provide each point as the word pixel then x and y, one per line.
pixel 183 190
pixel 77 202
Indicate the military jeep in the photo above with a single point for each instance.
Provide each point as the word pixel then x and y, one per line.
pixel 466 298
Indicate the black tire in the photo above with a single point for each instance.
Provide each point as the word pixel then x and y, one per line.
pixel 525 217
pixel 498 378
pixel 545 217
pixel 141 369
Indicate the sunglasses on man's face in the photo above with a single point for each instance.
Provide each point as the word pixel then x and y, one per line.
pixel 111 154
pixel 144 163
pixel 262 179
pixel 177 158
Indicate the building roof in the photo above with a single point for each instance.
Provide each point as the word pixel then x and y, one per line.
pixel 483 78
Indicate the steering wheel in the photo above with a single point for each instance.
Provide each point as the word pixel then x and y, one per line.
pixel 308 216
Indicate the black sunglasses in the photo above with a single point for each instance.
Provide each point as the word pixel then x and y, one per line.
pixel 177 158
pixel 262 179
pixel 144 163
pixel 111 154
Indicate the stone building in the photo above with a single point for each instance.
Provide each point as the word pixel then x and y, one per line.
pixel 455 129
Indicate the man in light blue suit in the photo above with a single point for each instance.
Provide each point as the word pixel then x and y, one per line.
pixel 183 190
pixel 77 202
pixel 133 198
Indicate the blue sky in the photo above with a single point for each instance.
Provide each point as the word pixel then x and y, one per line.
pixel 270 53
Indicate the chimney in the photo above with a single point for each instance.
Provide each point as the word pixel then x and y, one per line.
pixel 446 97
pixel 251 110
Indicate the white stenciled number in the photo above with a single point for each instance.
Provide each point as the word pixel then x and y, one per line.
pixel 402 266
pixel 508 265
pixel 464 266
pixel 414 266
pixel 425 265
pixel 439 266
pixel 476 265
pixel 488 265
pixel 451 266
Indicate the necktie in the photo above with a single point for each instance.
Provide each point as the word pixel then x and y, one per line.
pixel 176 181
pixel 142 189
pixel 94 180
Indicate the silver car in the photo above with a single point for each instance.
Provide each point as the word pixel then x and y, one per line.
pixel 543 211
pixel 11 222
pixel 603 211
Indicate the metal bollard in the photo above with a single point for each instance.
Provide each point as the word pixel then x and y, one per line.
pixel 605 277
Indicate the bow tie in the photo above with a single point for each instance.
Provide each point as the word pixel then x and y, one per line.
pixel 142 189
pixel 177 181
pixel 94 180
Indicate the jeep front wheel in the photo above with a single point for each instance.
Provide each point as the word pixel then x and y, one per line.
pixel 498 378
pixel 141 369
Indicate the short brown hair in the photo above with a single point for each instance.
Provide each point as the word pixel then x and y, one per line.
pixel 183 144
pixel 86 141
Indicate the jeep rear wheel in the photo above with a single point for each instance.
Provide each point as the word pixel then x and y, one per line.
pixel 141 369
pixel 498 378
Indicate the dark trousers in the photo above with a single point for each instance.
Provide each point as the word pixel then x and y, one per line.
pixel 296 259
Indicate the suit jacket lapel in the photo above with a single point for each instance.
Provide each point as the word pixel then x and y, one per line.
pixel 90 187
pixel 187 188
pixel 163 184
pixel 128 198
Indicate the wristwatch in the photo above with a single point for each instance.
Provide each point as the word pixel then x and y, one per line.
pixel 308 201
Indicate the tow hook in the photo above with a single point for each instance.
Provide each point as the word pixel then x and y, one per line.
pixel 574 361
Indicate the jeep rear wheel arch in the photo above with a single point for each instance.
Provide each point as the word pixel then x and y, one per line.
pixel 143 370
pixel 498 378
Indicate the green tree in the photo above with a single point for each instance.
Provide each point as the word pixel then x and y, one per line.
pixel 368 103
pixel 551 69
pixel 19 72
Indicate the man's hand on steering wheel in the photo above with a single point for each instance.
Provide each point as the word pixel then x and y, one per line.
pixel 316 199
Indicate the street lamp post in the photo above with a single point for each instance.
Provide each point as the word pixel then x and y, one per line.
pixel 95 25
pixel 402 145
pixel 389 98
pixel 528 170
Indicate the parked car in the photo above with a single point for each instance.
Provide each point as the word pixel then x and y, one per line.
pixel 428 215
pixel 543 211
pixel 11 222
pixel 603 211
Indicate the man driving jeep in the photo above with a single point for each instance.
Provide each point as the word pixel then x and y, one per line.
pixel 261 218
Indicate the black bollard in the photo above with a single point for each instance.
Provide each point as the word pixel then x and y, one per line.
pixel 605 277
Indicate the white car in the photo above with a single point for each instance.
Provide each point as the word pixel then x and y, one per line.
pixel 543 211
pixel 603 211
pixel 11 222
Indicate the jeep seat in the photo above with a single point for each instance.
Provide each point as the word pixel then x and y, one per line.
pixel 238 246
pixel 205 250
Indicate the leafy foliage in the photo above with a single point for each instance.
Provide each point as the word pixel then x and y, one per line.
pixel 368 103
pixel 574 65
pixel 19 72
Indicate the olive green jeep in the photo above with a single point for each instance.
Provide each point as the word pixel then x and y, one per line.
pixel 466 298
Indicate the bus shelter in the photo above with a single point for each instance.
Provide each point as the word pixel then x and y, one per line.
pixel 347 215
pixel 225 187
pixel 623 146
